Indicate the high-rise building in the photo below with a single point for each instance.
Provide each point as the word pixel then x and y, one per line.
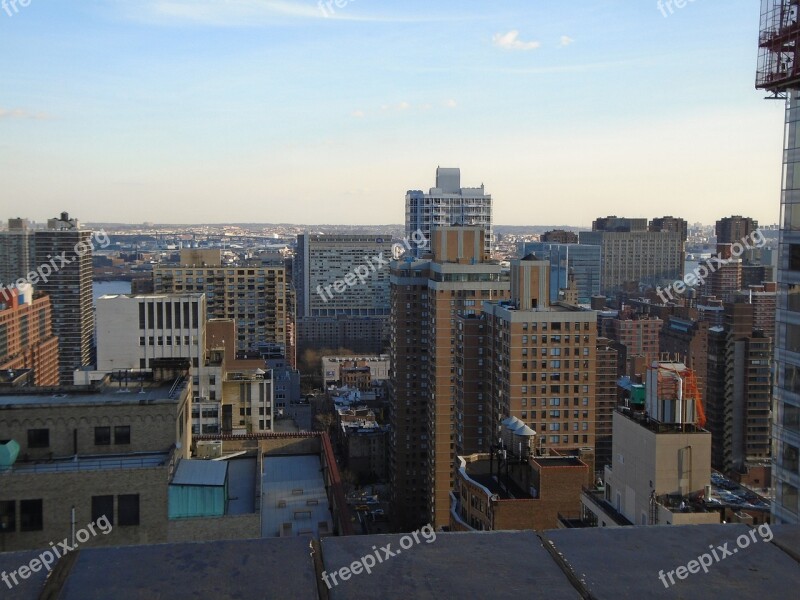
pixel 254 295
pixel 26 335
pixel 68 248
pixel 639 333
pixel 428 296
pixel 17 251
pixel 448 204
pixel 686 339
pixel 779 73
pixel 732 230
pixel 342 288
pixel 541 362
pixel 739 395
pixel 726 279
pixel 672 224
pixel 581 261
pixel 764 300
pixel 609 368
pixel 632 256
pixel 559 236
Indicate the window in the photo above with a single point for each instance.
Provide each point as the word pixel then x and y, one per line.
pixel 103 506
pixel 102 436
pixel 38 438
pixel 8 516
pixel 128 509
pixel 791 458
pixel 30 515
pixel 122 434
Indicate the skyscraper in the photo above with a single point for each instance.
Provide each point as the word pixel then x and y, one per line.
pixel 579 260
pixel 448 204
pixel 541 363
pixel 428 297
pixel 17 252
pixel 779 73
pixel 342 286
pixel 68 248
pixel 731 230
pixel 252 294
pixel 631 255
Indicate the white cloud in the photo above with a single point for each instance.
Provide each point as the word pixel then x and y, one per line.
pixel 358 114
pixel 511 41
pixel 403 106
pixel 252 13
pixel 565 41
pixel 451 103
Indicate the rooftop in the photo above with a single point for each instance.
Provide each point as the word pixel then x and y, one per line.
pixel 200 473
pixel 558 461
pixel 295 501
pixel 486 474
pixel 93 463
pixel 132 392
pixel 657 426
pixel 568 564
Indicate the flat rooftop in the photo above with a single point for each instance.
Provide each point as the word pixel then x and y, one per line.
pixel 657 426
pixel 564 564
pixel 147 392
pixel 93 463
pixel 295 501
pixel 505 489
pixel 241 486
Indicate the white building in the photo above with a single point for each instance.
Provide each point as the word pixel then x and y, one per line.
pixel 132 330
pixel 445 205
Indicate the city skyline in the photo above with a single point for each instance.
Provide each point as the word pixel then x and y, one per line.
pixel 271 111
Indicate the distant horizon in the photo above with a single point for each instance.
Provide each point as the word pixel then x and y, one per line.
pixel 347 225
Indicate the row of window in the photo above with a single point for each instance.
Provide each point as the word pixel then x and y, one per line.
pixel 31 512
pixel 40 438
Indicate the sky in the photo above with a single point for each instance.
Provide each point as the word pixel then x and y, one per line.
pixel 299 111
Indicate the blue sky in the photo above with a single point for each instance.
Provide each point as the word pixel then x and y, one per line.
pixel 270 111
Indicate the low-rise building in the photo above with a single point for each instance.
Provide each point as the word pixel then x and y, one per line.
pixel 499 495
pixel 334 368
pixel 363 443
pixel 76 454
pixel 661 458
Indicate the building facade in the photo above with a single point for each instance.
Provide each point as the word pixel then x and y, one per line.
pixel 581 261
pixel 428 296
pixel 107 450
pixel 253 295
pixel 17 251
pixel 26 335
pixel 632 256
pixel 448 204
pixel 70 290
